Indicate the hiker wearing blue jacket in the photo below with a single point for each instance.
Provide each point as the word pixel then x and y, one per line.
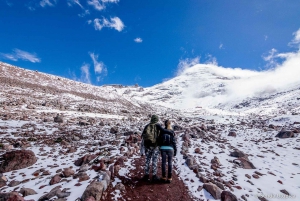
pixel 168 149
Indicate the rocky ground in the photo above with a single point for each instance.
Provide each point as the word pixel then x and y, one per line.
pixel 77 145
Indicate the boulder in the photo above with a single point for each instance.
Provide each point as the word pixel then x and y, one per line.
pixel 244 163
pixel 232 134
pixel 84 160
pixel 16 160
pixel 114 130
pixel 68 172
pixel 12 196
pixel 27 191
pixel 285 134
pixel 214 190
pixel 56 179
pixel 58 119
pixel 228 196
pixel 238 154
pixel 95 190
pixel 120 187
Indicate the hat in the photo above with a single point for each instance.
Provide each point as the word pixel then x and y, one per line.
pixel 154 119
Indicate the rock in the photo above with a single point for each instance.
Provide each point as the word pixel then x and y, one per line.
pixel 103 175
pixel 198 151
pixel 220 185
pixel 91 198
pixel 120 187
pixel 27 191
pixel 214 190
pixel 244 163
pixel 76 138
pixel 56 179
pixel 284 192
pixel 190 161
pixel 232 134
pixel 72 150
pixel 238 154
pixel 58 119
pixel 83 177
pixel 228 196
pixel 95 190
pixel 67 172
pixel 114 130
pixel 83 123
pixel 120 161
pixel 84 160
pixel 14 183
pixel 12 196
pixel 16 160
pixel 203 179
pixel 285 134
pixel 51 194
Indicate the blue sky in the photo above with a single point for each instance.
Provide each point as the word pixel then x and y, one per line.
pixel 142 41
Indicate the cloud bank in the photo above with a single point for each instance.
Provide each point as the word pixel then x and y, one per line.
pixel 18 54
pixel 214 85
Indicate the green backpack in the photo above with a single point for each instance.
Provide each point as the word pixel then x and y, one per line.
pixel 149 135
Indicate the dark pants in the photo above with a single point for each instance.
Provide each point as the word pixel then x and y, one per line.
pixel 166 153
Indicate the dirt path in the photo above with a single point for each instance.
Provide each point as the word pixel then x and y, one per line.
pixel 137 189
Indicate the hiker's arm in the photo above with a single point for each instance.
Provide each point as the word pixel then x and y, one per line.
pixel 174 145
pixel 162 130
pixel 142 149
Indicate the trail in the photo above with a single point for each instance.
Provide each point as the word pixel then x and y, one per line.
pixel 137 189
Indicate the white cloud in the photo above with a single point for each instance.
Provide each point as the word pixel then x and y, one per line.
pixel 114 22
pixel 186 63
pixel 21 55
pixel 296 40
pixel 85 73
pixel 99 66
pixel 86 12
pixel 77 2
pixel 110 1
pixel 100 4
pixel 221 46
pixel 96 4
pixel 211 60
pixel 271 58
pixel 138 40
pixel 45 3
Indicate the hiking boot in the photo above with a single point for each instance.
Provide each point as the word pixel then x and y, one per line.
pixel 169 180
pixel 164 179
pixel 145 177
pixel 155 178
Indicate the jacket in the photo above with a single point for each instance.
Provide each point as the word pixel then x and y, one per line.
pixel 159 129
pixel 173 140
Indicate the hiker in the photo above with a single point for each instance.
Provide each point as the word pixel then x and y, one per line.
pixel 149 146
pixel 168 149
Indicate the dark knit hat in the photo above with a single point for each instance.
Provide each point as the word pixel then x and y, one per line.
pixel 154 119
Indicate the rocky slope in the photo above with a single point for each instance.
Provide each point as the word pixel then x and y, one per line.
pixel 52 128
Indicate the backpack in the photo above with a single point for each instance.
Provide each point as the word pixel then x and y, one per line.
pixel 166 140
pixel 150 135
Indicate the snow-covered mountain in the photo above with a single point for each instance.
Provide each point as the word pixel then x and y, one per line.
pixel 210 88
pixel 52 127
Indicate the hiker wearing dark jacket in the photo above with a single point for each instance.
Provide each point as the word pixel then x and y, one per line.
pixel 149 146
pixel 168 148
